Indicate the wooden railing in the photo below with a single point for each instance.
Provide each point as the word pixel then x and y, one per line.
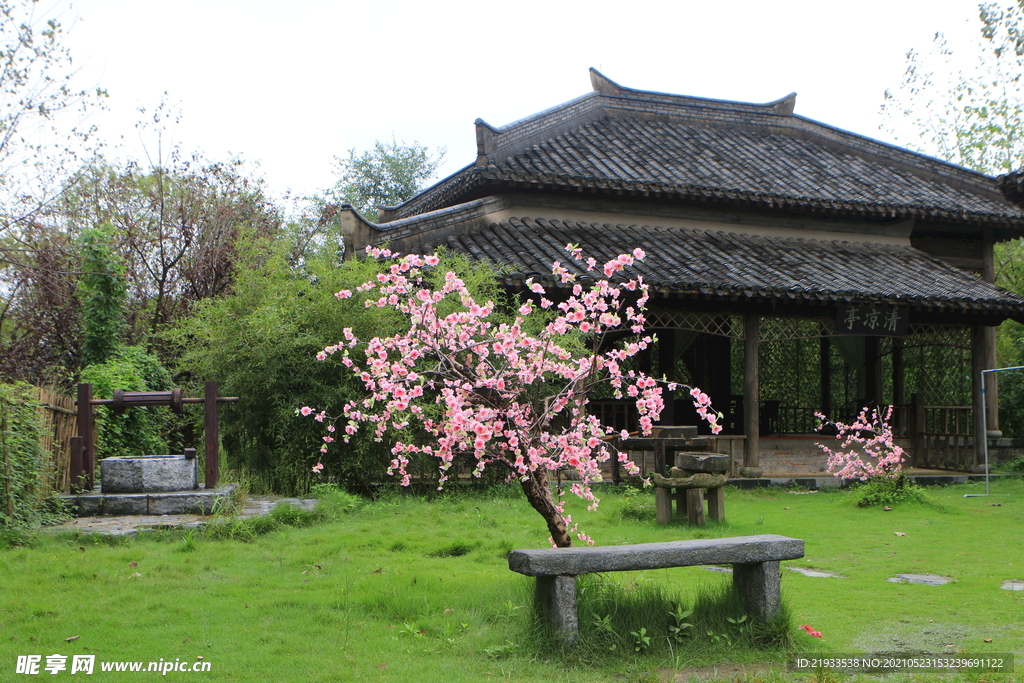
pixel 618 414
pixel 941 437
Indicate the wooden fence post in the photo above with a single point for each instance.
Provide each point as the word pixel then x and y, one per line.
pixel 212 451
pixel 86 430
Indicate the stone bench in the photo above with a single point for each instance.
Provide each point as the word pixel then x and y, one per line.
pixel 754 559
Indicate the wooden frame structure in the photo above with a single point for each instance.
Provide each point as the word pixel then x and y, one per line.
pixel 83 446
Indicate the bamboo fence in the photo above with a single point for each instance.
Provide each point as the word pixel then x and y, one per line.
pixel 60 422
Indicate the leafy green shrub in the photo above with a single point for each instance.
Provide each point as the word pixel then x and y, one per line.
pixel 102 291
pixel 260 343
pixel 1015 466
pixel 137 431
pixel 22 460
pixel 332 502
pixel 888 491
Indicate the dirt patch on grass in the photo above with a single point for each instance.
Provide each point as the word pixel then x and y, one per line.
pixel 932 638
pixel 722 672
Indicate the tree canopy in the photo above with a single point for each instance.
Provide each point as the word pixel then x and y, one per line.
pixel 974 118
pixel 386 175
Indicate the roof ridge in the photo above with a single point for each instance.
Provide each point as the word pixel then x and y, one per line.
pixel 609 88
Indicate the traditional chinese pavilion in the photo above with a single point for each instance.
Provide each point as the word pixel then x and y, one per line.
pixel 794 267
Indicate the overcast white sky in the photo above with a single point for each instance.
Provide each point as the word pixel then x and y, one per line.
pixel 291 83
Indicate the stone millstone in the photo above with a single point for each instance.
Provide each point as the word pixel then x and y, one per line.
pixel 703 462
pixel 148 474
pixel 701 480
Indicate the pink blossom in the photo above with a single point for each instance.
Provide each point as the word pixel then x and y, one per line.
pixel 306 411
pixel 482 375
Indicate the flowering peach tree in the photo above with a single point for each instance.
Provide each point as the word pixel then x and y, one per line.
pixel 507 387
pixel 868 450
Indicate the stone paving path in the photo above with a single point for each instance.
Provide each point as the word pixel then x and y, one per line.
pixel 127 525
pixel 923 579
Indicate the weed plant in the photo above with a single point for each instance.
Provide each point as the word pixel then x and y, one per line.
pixel 882 491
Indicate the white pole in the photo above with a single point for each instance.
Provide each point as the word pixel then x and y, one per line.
pixel 984 437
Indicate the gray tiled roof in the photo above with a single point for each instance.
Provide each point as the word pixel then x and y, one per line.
pixel 672 158
pixel 718 264
pixel 616 141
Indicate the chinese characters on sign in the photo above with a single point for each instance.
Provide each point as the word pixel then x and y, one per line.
pixel 872 320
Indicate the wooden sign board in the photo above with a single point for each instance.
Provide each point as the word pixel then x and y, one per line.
pixel 872 320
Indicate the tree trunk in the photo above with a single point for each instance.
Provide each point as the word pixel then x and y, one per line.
pixel 538 492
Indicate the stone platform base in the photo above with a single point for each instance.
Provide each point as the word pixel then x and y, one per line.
pixel 195 501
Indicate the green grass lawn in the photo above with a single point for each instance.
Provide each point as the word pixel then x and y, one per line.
pixel 406 589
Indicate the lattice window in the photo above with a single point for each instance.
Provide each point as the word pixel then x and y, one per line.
pixel 719 325
pixel 937 364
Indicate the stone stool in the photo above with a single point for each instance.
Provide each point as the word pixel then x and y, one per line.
pixel 693 474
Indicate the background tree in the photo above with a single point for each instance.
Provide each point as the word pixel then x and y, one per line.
pixel 387 175
pixel 975 118
pixel 39 110
pixel 178 226
pixel 175 229
pixel 260 341
pixel 102 290
pixel 39 323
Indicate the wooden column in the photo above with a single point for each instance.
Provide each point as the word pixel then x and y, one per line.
pixel 716 504
pixel 991 382
pixel 979 354
pixel 899 384
pixel 86 430
pixel 667 369
pixel 210 424
pixel 825 371
pixel 872 371
pixel 899 389
pixel 77 471
pixel 988 274
pixel 751 390
pixel 695 506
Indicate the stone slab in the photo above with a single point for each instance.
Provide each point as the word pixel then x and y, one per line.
pixel 701 480
pixel 711 463
pixel 148 473
pixel 816 573
pixel 1013 586
pixel 137 504
pixel 130 525
pixel 179 503
pixel 198 501
pixel 589 560
pixel 922 579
